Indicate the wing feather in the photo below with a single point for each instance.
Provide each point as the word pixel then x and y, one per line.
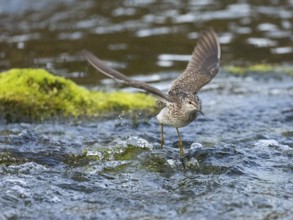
pixel 202 67
pixel 114 74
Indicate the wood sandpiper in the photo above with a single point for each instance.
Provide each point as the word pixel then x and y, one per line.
pixel 181 105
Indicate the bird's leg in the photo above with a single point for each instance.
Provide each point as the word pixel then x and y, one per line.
pixel 180 144
pixel 162 136
pixel 181 149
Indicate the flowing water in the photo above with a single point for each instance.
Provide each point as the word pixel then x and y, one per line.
pixel 239 154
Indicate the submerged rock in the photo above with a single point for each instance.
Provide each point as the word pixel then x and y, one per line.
pixel 35 94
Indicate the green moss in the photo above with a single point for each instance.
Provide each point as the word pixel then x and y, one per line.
pixel 157 163
pixel 8 158
pixel 129 153
pixel 79 159
pixel 287 134
pixel 35 94
pixel 234 69
pixel 259 68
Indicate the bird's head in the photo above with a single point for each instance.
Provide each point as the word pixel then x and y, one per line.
pixel 191 103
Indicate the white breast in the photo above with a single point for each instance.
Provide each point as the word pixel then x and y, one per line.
pixel 175 120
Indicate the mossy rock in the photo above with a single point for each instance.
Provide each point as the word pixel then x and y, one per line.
pixel 35 94
pixel 259 68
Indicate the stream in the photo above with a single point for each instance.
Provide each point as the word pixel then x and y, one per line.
pixel 239 152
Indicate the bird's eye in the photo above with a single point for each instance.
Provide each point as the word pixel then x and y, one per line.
pixel 190 103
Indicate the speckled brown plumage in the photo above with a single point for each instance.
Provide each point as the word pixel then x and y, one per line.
pixel 181 105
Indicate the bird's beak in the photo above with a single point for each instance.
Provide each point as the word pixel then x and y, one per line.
pixel 201 113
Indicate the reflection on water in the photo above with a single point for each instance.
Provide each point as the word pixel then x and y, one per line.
pixel 139 34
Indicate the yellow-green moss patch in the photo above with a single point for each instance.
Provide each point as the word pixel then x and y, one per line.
pixel 35 94
pixel 259 68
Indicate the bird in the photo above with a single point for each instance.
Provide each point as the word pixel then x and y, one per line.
pixel 181 104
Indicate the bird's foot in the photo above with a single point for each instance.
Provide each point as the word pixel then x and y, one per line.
pixel 162 144
pixel 183 162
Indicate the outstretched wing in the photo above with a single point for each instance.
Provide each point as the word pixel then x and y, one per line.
pixel 202 67
pixel 108 71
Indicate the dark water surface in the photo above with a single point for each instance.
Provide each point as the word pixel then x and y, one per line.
pixel 140 36
pixel 239 153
